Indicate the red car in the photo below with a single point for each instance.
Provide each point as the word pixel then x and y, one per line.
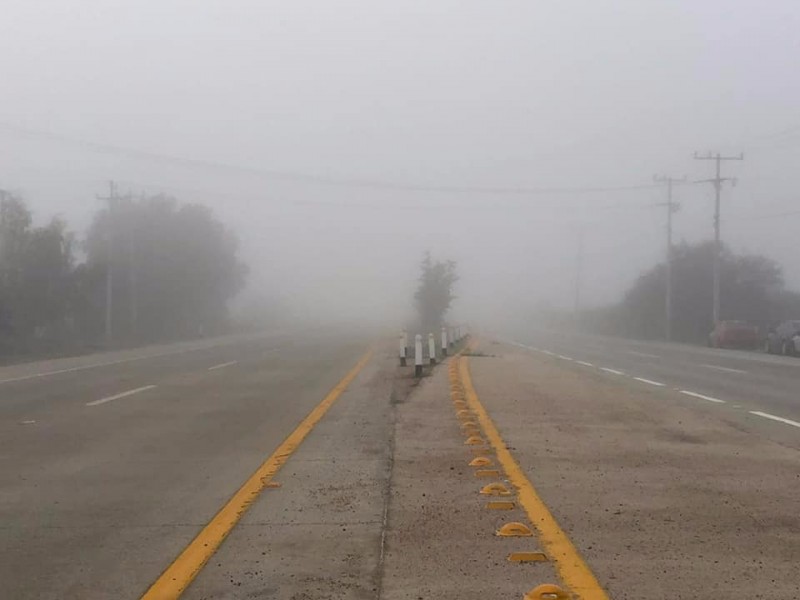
pixel 734 334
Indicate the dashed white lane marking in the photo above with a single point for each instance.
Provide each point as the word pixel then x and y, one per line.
pixel 564 357
pixel 649 381
pixel 28 422
pixel 612 371
pixel 122 395
pixel 775 418
pixel 726 369
pixel 584 363
pixel 548 352
pixel 645 354
pixel 702 396
pixel 223 365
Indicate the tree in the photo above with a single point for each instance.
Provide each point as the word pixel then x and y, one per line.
pixel 752 289
pixel 434 293
pixel 36 266
pixel 175 267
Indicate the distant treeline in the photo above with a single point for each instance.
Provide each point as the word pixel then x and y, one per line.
pixel 752 288
pixel 173 268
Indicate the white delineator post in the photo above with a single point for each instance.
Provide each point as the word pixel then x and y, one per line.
pixel 403 341
pixel 418 355
pixel 432 348
pixel 444 341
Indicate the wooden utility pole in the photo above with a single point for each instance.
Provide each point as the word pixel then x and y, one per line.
pixel 112 200
pixel 672 207
pixel 717 182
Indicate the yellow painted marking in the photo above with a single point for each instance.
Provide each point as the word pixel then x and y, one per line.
pixel 501 505
pixel 527 557
pixel 514 530
pixel 474 440
pixel 466 424
pixel 480 461
pixel 571 567
pixel 177 577
pixel 487 473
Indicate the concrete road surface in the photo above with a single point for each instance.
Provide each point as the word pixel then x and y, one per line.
pixel 758 390
pixel 110 464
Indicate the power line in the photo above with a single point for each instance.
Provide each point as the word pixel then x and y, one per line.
pixel 310 178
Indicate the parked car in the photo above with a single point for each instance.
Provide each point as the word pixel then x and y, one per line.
pixel 783 339
pixel 734 334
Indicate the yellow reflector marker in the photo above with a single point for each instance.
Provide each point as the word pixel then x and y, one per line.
pixel 514 530
pixel 487 473
pixel 480 461
pixel 548 591
pixel 527 557
pixel 501 505
pixel 474 440
pixel 495 489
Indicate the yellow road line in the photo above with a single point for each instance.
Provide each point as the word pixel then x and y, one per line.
pixel 177 577
pixel 572 569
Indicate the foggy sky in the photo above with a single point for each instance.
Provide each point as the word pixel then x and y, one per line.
pixel 465 94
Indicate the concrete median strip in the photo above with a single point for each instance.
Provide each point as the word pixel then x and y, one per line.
pixel 571 568
pixel 177 577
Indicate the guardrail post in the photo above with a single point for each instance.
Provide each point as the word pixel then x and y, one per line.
pixel 403 349
pixel 418 355
pixel 405 340
pixel 444 342
pixel 432 348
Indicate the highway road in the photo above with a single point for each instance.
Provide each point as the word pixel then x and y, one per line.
pixel 111 463
pixel 757 389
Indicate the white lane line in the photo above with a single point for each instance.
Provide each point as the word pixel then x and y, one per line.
pixel 584 363
pixel 645 354
pixel 122 395
pixel 223 365
pixel 726 369
pixel 649 381
pixel 612 371
pixel 702 397
pixel 564 357
pixel 548 353
pixel 775 418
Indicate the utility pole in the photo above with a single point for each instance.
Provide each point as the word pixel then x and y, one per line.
pixel 112 200
pixel 578 275
pixel 672 207
pixel 717 182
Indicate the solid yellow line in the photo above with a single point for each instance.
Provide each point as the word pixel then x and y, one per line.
pixel 572 569
pixel 177 577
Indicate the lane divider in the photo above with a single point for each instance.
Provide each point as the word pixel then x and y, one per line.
pixel 138 390
pixel 460 390
pixel 177 577
pixel 572 569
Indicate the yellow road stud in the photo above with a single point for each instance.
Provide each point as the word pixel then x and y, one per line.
pixel 465 424
pixel 527 557
pixel 547 591
pixel 487 473
pixel 480 461
pixel 501 505
pixel 495 489
pixel 474 440
pixel 463 413
pixel 514 529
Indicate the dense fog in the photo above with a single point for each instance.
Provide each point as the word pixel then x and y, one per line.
pixel 340 141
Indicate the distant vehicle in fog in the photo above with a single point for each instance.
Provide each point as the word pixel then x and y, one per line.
pixel 734 334
pixel 783 339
